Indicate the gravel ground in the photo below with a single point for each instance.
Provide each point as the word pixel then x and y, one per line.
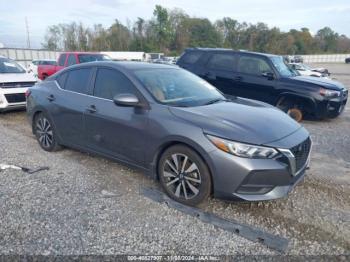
pixel 89 205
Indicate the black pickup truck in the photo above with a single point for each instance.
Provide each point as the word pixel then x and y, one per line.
pixel 267 78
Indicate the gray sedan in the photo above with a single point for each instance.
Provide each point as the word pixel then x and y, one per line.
pixel 175 126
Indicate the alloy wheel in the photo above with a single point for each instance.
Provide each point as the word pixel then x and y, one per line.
pixel 44 132
pixel 181 176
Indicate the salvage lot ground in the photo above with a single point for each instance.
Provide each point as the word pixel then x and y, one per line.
pixel 90 205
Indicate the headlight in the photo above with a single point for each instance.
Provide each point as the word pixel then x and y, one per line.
pixel 243 150
pixel 329 93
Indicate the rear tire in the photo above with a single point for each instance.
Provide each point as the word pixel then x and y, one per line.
pixel 45 133
pixel 184 176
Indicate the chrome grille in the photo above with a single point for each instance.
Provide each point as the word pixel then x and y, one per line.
pixel 301 153
pixel 16 84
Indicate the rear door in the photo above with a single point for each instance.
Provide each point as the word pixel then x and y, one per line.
pixel 189 60
pixel 69 104
pixel 219 71
pixel 115 130
pixel 250 80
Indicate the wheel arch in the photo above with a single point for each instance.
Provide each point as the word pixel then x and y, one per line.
pixel 179 141
pixel 38 110
pixel 310 103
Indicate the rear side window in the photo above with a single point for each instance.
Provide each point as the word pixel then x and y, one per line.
pixel 222 61
pixel 110 82
pixel 190 57
pixel 62 80
pixel 71 60
pixel 253 65
pixel 62 60
pixel 78 80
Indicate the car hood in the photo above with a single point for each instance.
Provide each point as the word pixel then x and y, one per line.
pixel 20 77
pixel 318 69
pixel 322 82
pixel 242 120
pixel 310 73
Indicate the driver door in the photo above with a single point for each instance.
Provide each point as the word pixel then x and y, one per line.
pixel 117 131
pixel 251 81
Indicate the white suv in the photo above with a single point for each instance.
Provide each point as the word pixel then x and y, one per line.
pixel 14 82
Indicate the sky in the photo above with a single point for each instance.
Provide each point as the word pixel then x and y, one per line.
pixel 313 14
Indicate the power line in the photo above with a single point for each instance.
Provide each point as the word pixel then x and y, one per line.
pixel 27 29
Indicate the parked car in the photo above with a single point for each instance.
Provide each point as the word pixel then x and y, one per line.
pixel 305 70
pixel 347 60
pixel 68 59
pixel 324 71
pixel 14 81
pixel 33 66
pixel 293 59
pixel 173 125
pixel 267 78
pixel 297 59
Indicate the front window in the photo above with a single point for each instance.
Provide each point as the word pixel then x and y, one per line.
pixel 84 58
pixel 8 66
pixel 282 67
pixel 253 65
pixel 178 87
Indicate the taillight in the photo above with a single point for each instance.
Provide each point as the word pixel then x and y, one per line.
pixel 27 94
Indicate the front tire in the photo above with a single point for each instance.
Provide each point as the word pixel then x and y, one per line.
pixel 290 108
pixel 184 176
pixel 45 133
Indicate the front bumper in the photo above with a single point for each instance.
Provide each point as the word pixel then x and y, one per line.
pixel 333 107
pixel 258 179
pixel 13 98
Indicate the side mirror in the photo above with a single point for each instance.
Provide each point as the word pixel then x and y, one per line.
pixel 126 100
pixel 268 75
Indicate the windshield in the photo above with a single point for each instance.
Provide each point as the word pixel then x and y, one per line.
pixel 282 67
pixel 8 66
pixel 178 87
pixel 84 58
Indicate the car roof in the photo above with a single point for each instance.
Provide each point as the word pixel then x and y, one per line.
pixel 128 65
pixel 229 50
pixel 132 65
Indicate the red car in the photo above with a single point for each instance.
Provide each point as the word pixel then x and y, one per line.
pixel 67 59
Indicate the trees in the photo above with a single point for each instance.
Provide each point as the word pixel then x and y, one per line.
pixel 327 39
pixel 171 31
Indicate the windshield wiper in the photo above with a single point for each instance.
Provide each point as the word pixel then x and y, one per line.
pixel 217 100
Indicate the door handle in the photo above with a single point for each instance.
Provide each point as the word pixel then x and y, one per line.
pixel 51 98
pixel 237 78
pixel 91 109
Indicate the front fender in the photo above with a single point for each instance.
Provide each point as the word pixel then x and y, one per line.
pixel 300 96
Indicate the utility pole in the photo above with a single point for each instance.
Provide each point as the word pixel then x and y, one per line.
pixel 27 29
